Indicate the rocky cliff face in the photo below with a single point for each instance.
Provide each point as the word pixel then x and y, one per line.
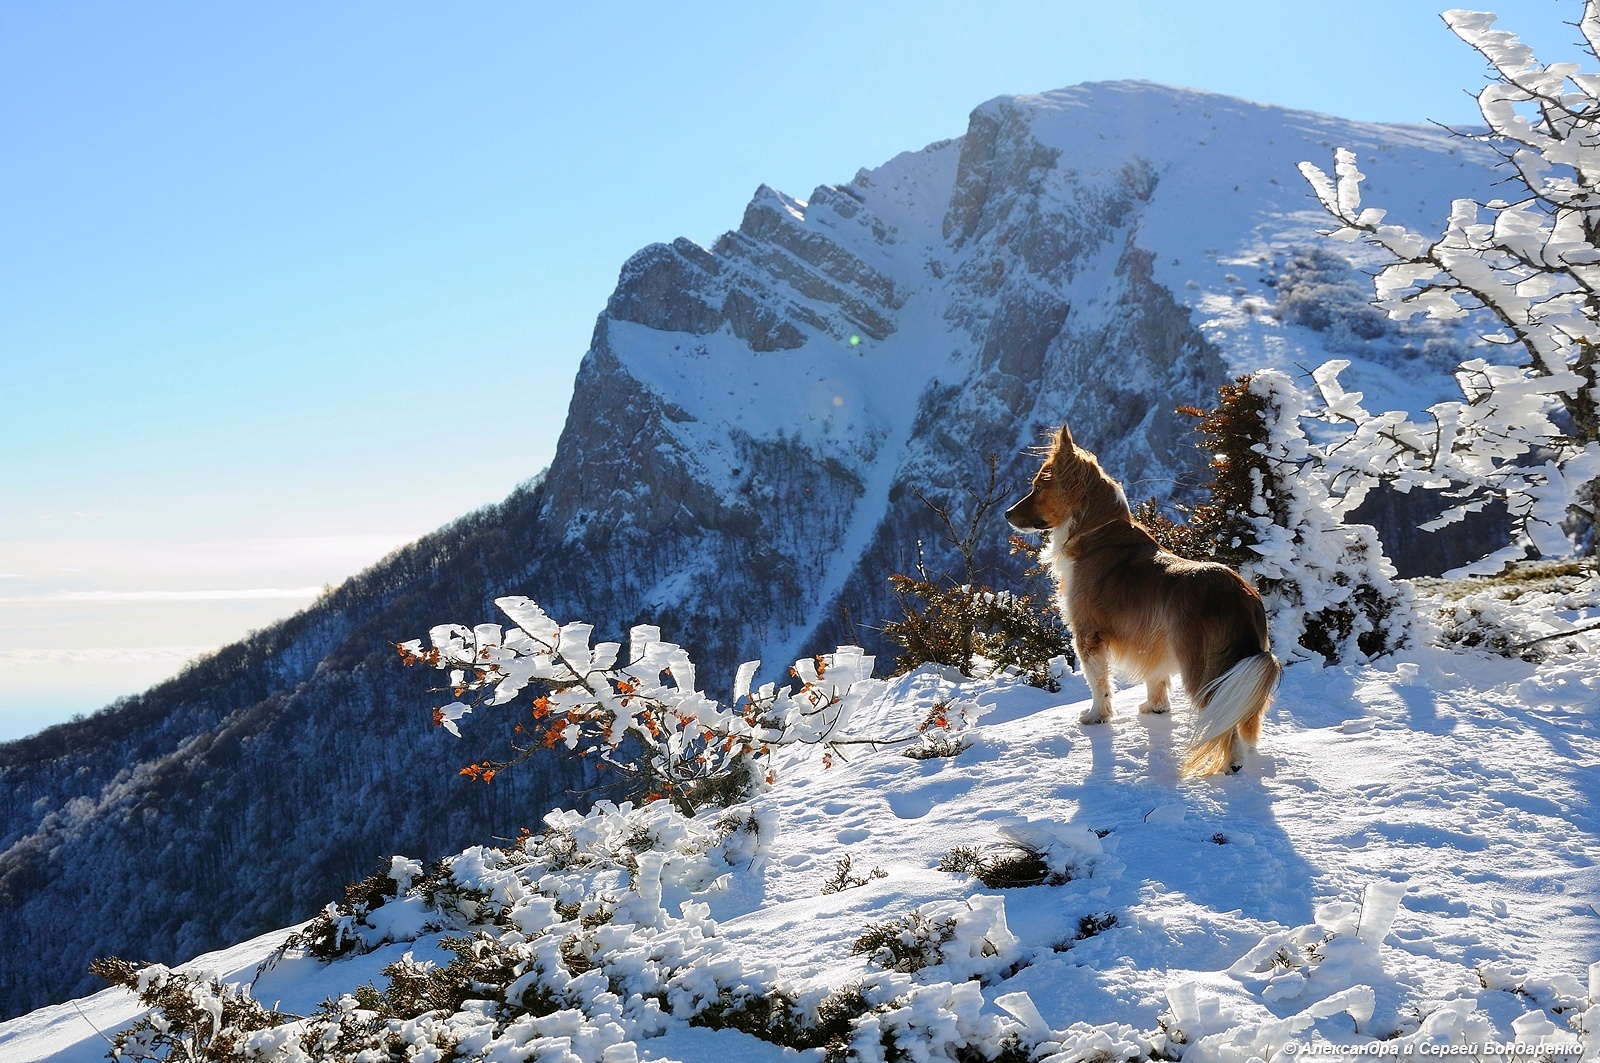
pixel 752 419
pixel 737 466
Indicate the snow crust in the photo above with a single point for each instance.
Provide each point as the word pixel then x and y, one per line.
pixel 1410 860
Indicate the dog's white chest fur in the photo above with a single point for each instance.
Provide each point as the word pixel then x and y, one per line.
pixel 1061 566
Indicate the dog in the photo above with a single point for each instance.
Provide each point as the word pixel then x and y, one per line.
pixel 1147 613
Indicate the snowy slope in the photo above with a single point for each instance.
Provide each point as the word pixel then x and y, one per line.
pixel 1410 860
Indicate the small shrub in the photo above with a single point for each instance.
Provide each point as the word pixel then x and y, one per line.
pixel 960 622
pixel 934 737
pixel 728 787
pixel 959 625
pixel 482 969
pixel 935 745
pixel 191 1017
pixel 1506 613
pixel 906 944
pixel 771 1017
pixel 1088 926
pixel 843 879
pixel 776 1018
pixel 836 1017
pixel 1012 1050
pixel 1318 289
pixel 1095 923
pixel 962 859
pixel 1482 623
pixel 334 931
pixel 1007 866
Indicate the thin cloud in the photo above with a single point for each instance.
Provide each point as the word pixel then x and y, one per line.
pixel 103 597
pixel 106 655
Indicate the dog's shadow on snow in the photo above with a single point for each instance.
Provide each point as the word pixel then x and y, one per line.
pixel 1422 711
pixel 1218 841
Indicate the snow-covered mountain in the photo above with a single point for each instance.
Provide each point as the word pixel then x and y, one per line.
pixel 738 466
pixel 750 419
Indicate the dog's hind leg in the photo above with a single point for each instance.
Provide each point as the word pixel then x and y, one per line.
pixel 1244 740
pixel 1250 731
pixel 1155 695
pixel 1097 670
pixel 1237 750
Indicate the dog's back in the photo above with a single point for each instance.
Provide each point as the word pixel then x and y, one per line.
pixel 1155 608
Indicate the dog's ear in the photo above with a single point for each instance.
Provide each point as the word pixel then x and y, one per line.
pixel 1064 438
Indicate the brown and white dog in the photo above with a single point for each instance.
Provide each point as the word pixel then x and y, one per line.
pixel 1148 613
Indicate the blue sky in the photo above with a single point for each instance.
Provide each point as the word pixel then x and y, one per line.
pixel 262 266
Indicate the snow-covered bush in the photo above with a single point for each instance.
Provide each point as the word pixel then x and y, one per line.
pixel 1328 588
pixel 351 925
pixel 957 940
pixel 1531 611
pixel 193 1017
pixel 580 941
pixel 944 1021
pixel 1274 515
pixel 1315 289
pixel 907 943
pixel 643 716
pixel 1028 853
pixel 1527 434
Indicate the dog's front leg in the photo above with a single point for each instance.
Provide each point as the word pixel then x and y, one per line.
pixel 1155 695
pixel 1096 663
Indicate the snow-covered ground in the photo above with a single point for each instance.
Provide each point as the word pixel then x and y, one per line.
pixel 1412 861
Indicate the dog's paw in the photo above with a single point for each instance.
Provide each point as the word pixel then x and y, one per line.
pixel 1155 708
pixel 1094 714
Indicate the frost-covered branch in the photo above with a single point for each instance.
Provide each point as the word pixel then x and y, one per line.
pixel 643 716
pixel 1498 444
pixel 1533 262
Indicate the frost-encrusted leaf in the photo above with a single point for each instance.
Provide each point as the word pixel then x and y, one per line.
pixel 527 615
pixel 449 714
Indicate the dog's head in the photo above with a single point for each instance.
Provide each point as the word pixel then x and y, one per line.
pixel 1070 489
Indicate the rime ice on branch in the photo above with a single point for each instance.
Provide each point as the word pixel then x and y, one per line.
pixel 644 717
pixel 1532 261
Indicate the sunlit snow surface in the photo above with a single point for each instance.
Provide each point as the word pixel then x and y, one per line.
pixel 1472 782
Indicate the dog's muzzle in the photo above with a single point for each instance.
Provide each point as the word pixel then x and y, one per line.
pixel 1022 517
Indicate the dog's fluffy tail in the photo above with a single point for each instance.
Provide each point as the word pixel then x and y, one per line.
pixel 1236 697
